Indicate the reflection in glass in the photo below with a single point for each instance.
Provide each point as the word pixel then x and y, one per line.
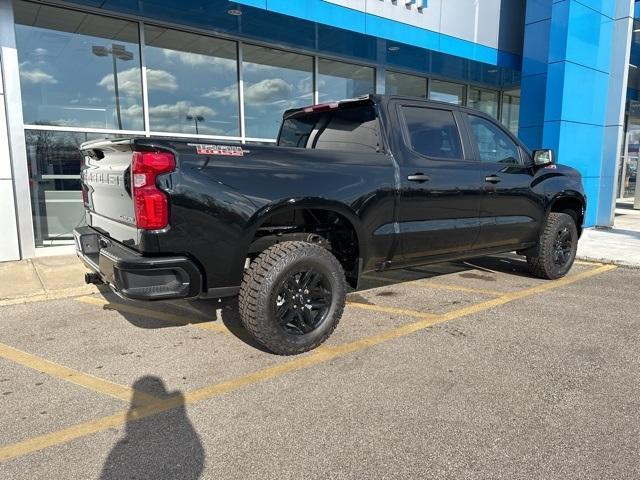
pixel 54 171
pixel 274 81
pixel 484 100
pixel 192 82
pixel 446 92
pixel 78 69
pixel 628 165
pixel 403 84
pixel 339 80
pixel 511 110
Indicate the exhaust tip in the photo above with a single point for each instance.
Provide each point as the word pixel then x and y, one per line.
pixel 93 278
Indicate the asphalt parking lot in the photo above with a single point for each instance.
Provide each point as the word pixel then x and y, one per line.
pixel 459 370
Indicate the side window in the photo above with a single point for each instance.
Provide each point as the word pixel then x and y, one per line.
pixel 494 146
pixel 433 132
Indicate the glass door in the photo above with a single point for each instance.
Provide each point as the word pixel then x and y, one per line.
pixel 629 162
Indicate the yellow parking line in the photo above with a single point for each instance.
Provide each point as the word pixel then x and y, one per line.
pixel 392 310
pixel 319 356
pixel 456 288
pixel 146 312
pixel 588 262
pixel 429 282
pixel 73 376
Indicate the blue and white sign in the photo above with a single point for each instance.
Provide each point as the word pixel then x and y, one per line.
pixel 489 31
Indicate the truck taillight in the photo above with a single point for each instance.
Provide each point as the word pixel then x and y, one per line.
pixel 151 204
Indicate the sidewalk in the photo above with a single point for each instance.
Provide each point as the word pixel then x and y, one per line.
pixel 42 279
pixel 619 245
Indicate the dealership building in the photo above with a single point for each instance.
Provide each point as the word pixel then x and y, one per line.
pixel 561 74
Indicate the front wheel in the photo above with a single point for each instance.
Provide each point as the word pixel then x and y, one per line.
pixel 553 257
pixel 292 297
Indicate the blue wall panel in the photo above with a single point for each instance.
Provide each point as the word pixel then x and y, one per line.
pixel 574 86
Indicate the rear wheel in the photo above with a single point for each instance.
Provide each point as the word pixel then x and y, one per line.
pixel 556 250
pixel 292 297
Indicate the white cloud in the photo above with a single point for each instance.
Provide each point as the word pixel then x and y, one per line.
pixel 229 93
pixel 129 81
pixel 268 90
pixel 40 51
pixel 196 60
pixel 180 109
pixel 37 76
pixel 161 80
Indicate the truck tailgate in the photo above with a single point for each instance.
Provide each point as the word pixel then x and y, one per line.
pixel 106 184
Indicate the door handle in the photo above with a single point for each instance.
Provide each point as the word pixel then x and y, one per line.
pixel 418 177
pixel 492 179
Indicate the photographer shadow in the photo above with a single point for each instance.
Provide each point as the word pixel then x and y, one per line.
pixel 164 445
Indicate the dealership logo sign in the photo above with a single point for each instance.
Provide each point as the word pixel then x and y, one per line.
pixel 365 5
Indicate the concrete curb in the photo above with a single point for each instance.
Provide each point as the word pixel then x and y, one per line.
pixel 52 295
pixel 608 261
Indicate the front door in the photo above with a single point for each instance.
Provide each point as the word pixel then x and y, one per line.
pixel 441 185
pixel 510 211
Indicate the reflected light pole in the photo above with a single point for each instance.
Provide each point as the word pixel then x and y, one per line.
pixel 117 52
pixel 196 119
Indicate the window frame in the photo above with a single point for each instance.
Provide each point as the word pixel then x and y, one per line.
pixel 474 144
pixel 463 134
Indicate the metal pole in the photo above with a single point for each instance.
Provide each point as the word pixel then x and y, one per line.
pixel 116 90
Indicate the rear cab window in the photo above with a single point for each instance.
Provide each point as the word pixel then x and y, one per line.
pixel 349 128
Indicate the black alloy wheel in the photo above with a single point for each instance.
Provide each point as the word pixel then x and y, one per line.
pixel 303 301
pixel 562 247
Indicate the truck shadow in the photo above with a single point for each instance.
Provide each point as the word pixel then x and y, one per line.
pixel 172 314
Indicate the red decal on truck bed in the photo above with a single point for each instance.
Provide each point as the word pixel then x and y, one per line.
pixel 229 150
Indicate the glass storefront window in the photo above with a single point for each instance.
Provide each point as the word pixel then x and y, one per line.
pixel 403 84
pixel 628 166
pixel 484 100
pixel 511 110
pixel 274 81
pixel 78 69
pixel 54 172
pixel 446 92
pixel 192 82
pixel 340 80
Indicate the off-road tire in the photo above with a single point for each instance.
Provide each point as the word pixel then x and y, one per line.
pixel 541 259
pixel 259 293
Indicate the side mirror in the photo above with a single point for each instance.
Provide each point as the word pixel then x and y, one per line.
pixel 542 158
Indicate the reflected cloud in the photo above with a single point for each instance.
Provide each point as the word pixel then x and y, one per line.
pixel 198 60
pixel 229 94
pixel 181 108
pixel 129 81
pixel 268 90
pixel 36 76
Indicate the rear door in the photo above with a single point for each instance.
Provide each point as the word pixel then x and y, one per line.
pixel 510 210
pixel 440 182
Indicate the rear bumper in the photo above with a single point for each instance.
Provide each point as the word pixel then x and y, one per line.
pixel 134 276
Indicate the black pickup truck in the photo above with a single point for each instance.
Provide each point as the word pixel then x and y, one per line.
pixel 354 186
